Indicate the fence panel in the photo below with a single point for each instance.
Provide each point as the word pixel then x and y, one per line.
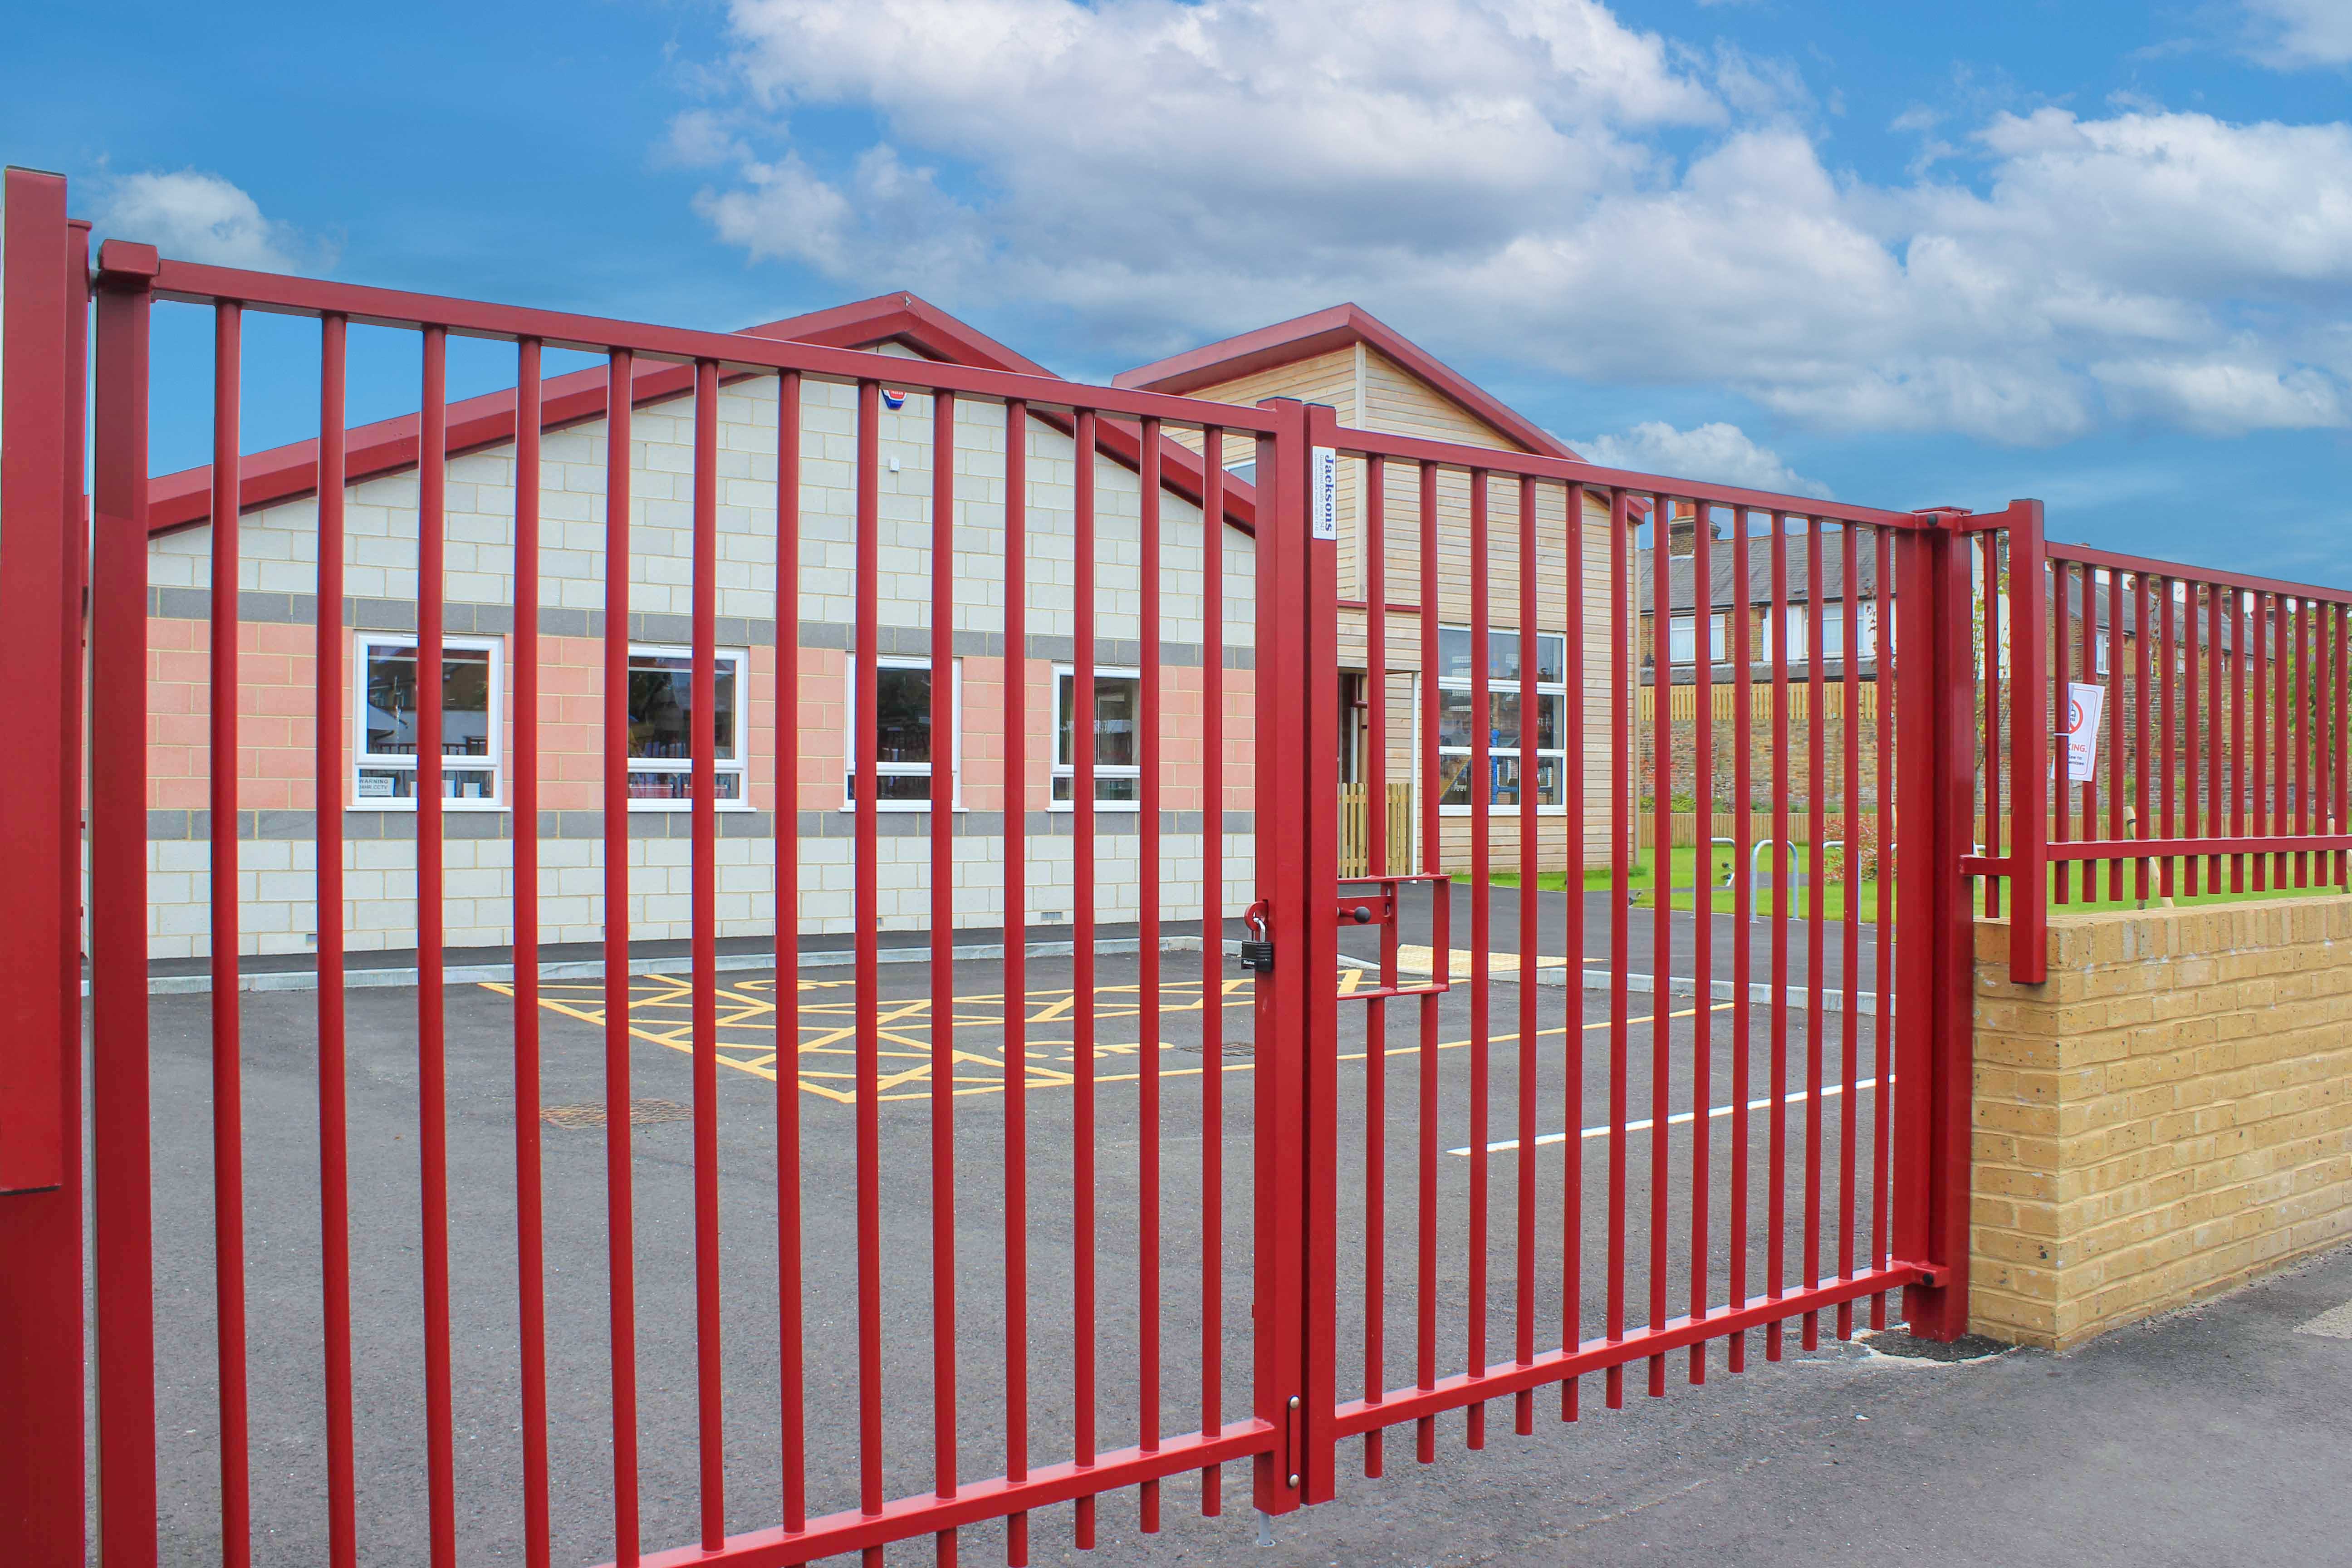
pixel 728 697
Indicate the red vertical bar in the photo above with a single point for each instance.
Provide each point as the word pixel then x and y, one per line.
pixel 1571 1202
pixel 228 1093
pixel 2061 723
pixel 1816 909
pixel 2143 732
pixel 1147 961
pixel 944 1466
pixel 791 1348
pixel 619 1183
pixel 1016 968
pixel 1742 620
pixel 1850 964
pixel 1375 826
pixel 120 1166
pixel 1441 907
pixel 1084 725
pixel 2292 727
pixel 2029 744
pixel 2197 757
pixel 2242 637
pixel 43 315
pixel 2114 681
pixel 1212 948
pixel 1482 791
pixel 432 1137
pixel 2287 683
pixel 790 1341
pixel 530 1273
pixel 2310 762
pixel 2343 754
pixel 1531 734
pixel 1881 1066
pixel 1776 1188
pixel 1318 840
pixel 1993 676
pixel 1932 1191
pixel 866 896
pixel 334 1188
pixel 2258 778
pixel 1292 1370
pixel 1662 930
pixel 2167 661
pixel 1624 606
pixel 1702 916
pixel 709 1388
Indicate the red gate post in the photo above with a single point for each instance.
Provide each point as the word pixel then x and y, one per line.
pixel 1297 1011
pixel 1934 830
pixel 43 317
pixel 2029 747
pixel 121 1205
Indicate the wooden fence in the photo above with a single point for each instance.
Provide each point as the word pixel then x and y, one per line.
pixel 1355 830
pixel 1683 706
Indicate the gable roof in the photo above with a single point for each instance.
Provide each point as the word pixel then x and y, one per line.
pixel 183 499
pixel 1340 326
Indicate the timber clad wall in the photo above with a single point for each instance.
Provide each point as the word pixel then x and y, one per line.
pixel 1370 391
pixel 278 610
pixel 2169 1115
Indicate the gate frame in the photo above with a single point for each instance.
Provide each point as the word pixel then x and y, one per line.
pixel 44 326
pixel 1298 1419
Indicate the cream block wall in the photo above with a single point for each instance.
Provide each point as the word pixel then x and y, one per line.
pixel 277 548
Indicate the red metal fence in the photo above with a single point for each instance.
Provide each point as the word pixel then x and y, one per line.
pixel 1339 1153
pixel 2152 731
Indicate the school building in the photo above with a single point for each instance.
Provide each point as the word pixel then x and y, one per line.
pixel 1374 378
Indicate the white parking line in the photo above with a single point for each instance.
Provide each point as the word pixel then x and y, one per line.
pixel 1829 1091
pixel 2336 1323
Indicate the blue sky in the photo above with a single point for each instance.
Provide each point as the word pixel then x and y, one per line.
pixel 2093 252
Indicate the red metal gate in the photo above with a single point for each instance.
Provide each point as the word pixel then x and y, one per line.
pixel 1877 1201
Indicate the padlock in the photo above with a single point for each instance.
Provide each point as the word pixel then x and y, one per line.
pixel 1257 947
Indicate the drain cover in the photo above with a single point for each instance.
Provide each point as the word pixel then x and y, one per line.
pixel 641 1113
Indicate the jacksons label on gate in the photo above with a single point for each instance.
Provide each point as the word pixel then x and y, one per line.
pixel 1323 491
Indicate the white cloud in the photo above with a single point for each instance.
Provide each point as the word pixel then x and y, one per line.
pixel 2294 34
pixel 194 216
pixel 1535 179
pixel 1724 454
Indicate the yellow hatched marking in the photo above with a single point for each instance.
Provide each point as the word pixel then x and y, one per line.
pixel 661 1012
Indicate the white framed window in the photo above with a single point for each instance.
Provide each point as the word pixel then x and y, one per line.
pixel 1788 629
pixel 1513 705
pixel 1682 645
pixel 386 713
pixel 662 727
pixel 903 751
pixel 1117 738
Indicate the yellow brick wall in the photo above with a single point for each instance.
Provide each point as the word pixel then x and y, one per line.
pixel 2169 1115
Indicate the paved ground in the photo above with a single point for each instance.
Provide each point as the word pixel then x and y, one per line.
pixel 1726 1462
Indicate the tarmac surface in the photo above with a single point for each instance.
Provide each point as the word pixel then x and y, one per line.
pixel 2157 1445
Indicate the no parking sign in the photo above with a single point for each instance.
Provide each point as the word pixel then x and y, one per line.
pixel 2084 705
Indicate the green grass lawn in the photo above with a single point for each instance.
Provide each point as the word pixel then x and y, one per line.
pixel 1642 884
